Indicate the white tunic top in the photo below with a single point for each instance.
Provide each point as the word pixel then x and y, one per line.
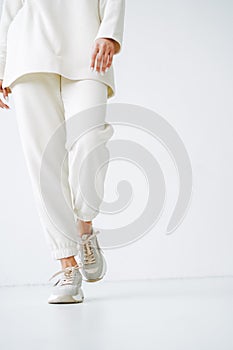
pixel 57 36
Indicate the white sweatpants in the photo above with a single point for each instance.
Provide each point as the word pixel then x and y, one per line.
pixel 42 102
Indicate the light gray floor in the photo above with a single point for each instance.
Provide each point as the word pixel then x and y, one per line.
pixel 175 314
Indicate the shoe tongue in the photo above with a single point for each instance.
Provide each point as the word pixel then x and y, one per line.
pixel 85 236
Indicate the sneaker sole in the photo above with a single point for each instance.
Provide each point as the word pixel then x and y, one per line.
pixel 66 299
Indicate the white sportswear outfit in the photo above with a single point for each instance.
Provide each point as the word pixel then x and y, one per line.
pixel 51 81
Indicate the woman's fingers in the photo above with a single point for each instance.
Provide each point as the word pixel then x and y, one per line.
pixel 110 58
pixel 99 61
pixel 93 57
pixel 5 92
pixel 8 90
pixel 102 55
pixel 105 60
pixel 3 105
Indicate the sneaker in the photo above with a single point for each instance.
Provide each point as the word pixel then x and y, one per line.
pixel 91 255
pixel 68 288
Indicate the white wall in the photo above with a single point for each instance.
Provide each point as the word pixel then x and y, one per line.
pixel 177 57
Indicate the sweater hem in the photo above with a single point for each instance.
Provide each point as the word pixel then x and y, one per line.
pixel 8 82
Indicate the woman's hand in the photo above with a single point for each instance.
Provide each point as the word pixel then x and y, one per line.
pixel 102 54
pixel 5 92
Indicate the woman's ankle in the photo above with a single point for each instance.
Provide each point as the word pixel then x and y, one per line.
pixel 67 262
pixel 84 227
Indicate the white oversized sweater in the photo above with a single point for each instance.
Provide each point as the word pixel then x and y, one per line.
pixel 57 36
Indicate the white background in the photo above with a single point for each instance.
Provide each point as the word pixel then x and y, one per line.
pixel 176 59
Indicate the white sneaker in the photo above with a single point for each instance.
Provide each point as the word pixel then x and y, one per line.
pixel 68 288
pixel 93 263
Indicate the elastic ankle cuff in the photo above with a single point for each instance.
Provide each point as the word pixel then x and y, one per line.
pixel 64 252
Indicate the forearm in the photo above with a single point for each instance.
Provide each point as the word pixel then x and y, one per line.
pixel 112 13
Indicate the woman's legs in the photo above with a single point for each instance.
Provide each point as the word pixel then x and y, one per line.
pixel 79 95
pixel 39 111
pixel 41 101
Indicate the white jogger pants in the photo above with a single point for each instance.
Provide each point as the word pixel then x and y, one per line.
pixel 43 101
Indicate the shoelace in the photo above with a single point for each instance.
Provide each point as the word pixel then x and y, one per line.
pixel 89 257
pixel 68 274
